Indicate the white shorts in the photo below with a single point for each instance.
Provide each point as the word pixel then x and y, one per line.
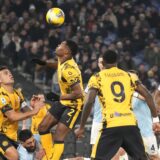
pixel 150 144
pixel 96 127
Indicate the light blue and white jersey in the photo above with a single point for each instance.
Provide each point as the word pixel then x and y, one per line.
pixel 97 113
pixel 143 116
pixel 24 154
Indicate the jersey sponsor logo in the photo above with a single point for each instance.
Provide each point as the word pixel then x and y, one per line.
pixel 117 114
pixel 3 100
pixel 5 143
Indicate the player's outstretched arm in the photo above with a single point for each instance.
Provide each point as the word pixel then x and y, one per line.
pixel 17 116
pixel 50 64
pixel 90 98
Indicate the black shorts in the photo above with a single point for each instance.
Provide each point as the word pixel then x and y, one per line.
pixel 5 143
pixel 111 139
pixel 65 114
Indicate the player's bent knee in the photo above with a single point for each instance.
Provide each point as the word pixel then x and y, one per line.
pixel 11 153
pixel 61 132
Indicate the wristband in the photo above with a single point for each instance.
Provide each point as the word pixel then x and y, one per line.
pixel 135 94
pixel 155 119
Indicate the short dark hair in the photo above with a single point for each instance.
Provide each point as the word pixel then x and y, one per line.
pixel 72 46
pixel 110 57
pixel 24 135
pixel 3 67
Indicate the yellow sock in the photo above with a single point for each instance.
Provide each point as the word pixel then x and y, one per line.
pixel 47 144
pixel 58 150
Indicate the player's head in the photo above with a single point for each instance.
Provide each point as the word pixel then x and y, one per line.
pixel 41 97
pixel 100 63
pixel 110 57
pixel 26 138
pixel 67 47
pixel 6 76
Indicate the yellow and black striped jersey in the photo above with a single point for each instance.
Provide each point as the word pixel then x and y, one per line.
pixel 9 101
pixel 115 88
pixel 68 75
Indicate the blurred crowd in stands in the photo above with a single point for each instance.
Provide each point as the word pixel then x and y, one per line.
pixel 132 27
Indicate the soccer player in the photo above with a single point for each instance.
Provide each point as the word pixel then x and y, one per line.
pixel 11 101
pixel 97 118
pixel 29 148
pixel 64 112
pixel 114 88
pixel 144 119
pixel 145 122
pixel 36 120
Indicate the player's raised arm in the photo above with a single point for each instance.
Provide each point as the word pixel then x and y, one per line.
pixel 17 116
pixel 52 64
pixel 48 63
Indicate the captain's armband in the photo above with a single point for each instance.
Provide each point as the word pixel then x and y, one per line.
pixel 6 108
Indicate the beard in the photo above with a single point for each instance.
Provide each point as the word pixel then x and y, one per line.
pixel 31 150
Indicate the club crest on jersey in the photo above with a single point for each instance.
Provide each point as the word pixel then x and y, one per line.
pixel 5 143
pixel 3 100
pixel 70 73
